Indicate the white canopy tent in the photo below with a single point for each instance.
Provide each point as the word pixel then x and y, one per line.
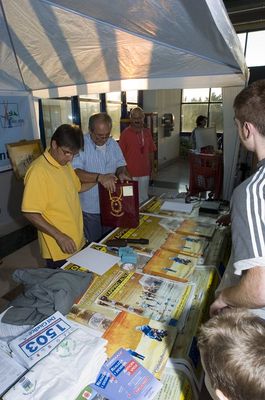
pixel 61 48
pixel 117 45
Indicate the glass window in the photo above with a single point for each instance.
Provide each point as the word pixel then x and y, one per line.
pixel 114 110
pixel 195 95
pixel 216 117
pixel 92 96
pixel 216 95
pixel 189 114
pixel 113 96
pixel 55 113
pixel 255 56
pixel 197 102
pixel 113 101
pixel 132 96
pixel 88 105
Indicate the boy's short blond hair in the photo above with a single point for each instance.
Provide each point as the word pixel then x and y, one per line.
pixel 232 347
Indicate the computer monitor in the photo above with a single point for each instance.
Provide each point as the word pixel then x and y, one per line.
pixel 206 137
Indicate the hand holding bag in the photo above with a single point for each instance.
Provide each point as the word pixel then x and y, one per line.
pixel 120 208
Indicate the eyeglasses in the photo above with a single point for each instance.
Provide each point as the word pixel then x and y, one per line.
pixel 68 153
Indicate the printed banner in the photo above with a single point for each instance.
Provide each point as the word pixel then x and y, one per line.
pixel 15 124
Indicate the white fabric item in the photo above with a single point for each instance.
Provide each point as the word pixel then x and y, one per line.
pixel 165 43
pixel 210 388
pixel 143 185
pixel 244 265
pixel 65 371
pixel 8 331
pixel 229 278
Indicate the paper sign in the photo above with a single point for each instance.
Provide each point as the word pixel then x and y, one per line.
pixel 127 191
pixel 94 260
pixel 177 206
pixel 39 341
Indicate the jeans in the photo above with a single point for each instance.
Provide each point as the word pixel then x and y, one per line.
pixel 54 264
pixel 93 229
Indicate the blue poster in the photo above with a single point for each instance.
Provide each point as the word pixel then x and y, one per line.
pixel 15 124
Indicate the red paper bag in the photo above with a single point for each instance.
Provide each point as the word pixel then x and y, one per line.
pixel 120 208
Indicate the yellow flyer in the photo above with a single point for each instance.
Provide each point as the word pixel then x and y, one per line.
pixel 99 284
pixel 186 244
pixel 148 228
pixel 148 341
pixel 94 316
pixel 178 383
pixel 197 227
pixel 149 296
pixel 172 265
pixel 185 347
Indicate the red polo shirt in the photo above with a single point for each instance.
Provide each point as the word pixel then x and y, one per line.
pixel 136 148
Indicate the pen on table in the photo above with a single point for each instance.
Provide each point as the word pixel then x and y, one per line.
pixel 169 269
pixel 113 249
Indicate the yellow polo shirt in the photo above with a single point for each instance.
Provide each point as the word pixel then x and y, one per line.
pixel 52 191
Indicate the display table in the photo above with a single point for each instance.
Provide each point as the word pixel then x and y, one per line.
pixel 156 316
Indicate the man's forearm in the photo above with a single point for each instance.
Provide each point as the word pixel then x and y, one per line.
pixel 86 177
pixel 65 242
pixel 41 224
pixel 86 186
pixel 249 292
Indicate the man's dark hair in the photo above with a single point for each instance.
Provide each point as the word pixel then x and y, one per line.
pixel 99 117
pixel 249 105
pixel 200 119
pixel 70 136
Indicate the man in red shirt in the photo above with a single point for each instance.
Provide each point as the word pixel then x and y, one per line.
pixel 138 149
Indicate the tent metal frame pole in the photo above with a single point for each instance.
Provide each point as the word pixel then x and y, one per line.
pixel 76 110
pixel 41 124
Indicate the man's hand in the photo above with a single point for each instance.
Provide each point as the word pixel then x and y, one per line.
pixel 108 181
pixel 217 306
pixel 66 244
pixel 224 220
pixel 124 176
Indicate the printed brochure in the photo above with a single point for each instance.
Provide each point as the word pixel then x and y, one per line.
pixel 148 341
pixel 171 265
pixel 123 378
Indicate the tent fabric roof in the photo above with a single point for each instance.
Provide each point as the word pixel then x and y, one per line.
pixel 152 43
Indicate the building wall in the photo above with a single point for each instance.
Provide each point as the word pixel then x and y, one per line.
pixel 165 101
pixel 160 101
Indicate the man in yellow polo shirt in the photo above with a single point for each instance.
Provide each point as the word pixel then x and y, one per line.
pixel 50 200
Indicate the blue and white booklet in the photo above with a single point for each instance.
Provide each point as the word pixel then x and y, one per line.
pixel 123 378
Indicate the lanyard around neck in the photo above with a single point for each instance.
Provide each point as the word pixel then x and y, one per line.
pixel 140 139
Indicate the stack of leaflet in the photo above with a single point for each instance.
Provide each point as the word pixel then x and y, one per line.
pixel 74 363
pixel 122 377
pixel 177 205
